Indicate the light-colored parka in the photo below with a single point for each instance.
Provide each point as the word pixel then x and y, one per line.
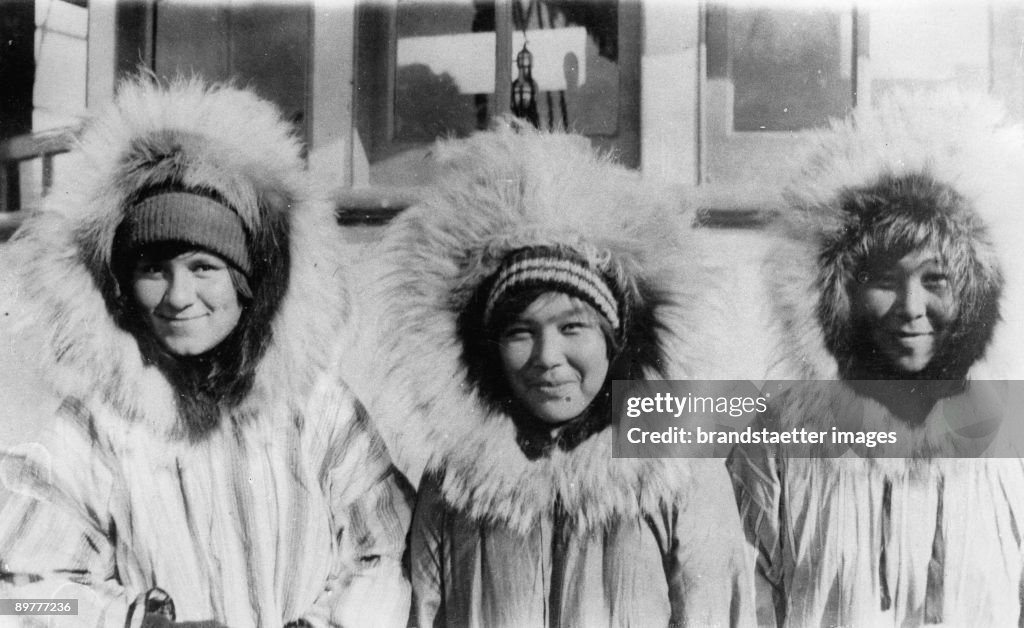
pixel 289 507
pixel 571 537
pixel 925 537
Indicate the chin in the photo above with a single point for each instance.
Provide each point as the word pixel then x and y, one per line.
pixel 911 365
pixel 184 349
pixel 555 416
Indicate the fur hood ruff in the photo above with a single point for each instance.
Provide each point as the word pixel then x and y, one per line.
pixel 504 190
pixel 962 141
pixel 57 286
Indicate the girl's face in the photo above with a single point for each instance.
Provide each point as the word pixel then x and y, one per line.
pixel 555 357
pixel 189 301
pixel 908 306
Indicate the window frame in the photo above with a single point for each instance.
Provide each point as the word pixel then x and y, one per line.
pixel 374 94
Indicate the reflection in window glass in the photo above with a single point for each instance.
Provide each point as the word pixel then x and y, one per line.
pixel 791 69
pixel 444 78
pixel 575 62
pixel 927 46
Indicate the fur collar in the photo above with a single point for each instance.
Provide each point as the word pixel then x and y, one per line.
pixel 960 141
pixel 58 289
pixel 501 191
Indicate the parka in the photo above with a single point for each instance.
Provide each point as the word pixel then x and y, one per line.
pixel 929 533
pixel 557 533
pixel 286 507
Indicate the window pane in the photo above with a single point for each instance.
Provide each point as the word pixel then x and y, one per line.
pixel 929 46
pixel 444 79
pixel 259 44
pixel 60 42
pixel 791 69
pixel 574 49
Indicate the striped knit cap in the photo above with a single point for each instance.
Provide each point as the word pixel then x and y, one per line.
pixel 557 270
pixel 186 216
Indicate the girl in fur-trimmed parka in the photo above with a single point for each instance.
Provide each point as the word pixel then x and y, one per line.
pixel 533 275
pixel 898 279
pixel 183 289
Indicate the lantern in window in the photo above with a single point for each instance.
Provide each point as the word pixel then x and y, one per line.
pixel 524 89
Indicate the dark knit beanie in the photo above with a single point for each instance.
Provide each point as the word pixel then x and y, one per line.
pixel 186 216
pixel 557 270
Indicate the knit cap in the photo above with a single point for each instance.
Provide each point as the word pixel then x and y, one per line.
pixel 193 217
pixel 557 270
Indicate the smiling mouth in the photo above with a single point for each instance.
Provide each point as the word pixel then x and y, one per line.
pixel 900 333
pixel 912 340
pixel 554 389
pixel 172 321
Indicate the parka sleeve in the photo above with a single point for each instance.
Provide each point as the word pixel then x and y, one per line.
pixel 426 556
pixel 55 531
pixel 709 572
pixel 757 482
pixel 371 507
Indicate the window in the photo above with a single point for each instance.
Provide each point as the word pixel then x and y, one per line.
pixel 262 45
pixel 790 69
pixel 58 96
pixel 444 77
pixel 43 71
pixel 426 70
pixel 773 73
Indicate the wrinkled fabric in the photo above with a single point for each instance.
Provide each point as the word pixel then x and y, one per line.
pixel 682 566
pixel 226 527
pixel 283 505
pixel 855 542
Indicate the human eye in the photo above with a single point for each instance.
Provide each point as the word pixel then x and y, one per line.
pixel 516 331
pixel 148 268
pixel 576 325
pixel 884 279
pixel 206 265
pixel 936 280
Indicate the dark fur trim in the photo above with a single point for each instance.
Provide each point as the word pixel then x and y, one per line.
pixel 940 169
pixel 892 218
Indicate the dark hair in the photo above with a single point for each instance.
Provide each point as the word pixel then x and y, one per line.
pixel 890 219
pixel 209 384
pixel 124 264
pixel 507 310
pixel 483 358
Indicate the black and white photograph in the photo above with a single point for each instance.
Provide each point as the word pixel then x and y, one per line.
pixel 403 313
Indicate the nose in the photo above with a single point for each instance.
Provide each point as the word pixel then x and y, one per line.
pixel 912 300
pixel 547 350
pixel 181 290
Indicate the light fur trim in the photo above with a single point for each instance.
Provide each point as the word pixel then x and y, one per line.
pixel 961 140
pixel 227 139
pixel 502 191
